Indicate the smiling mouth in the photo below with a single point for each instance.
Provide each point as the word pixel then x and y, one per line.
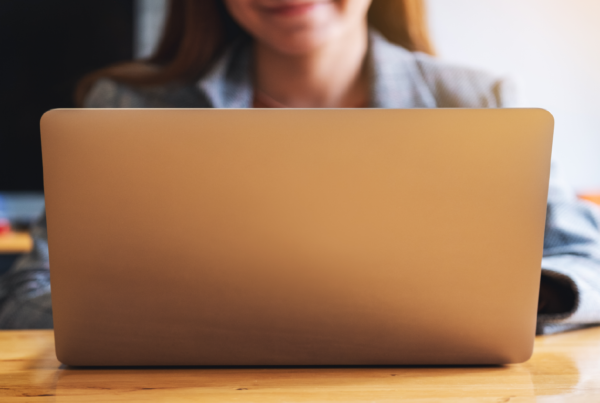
pixel 291 10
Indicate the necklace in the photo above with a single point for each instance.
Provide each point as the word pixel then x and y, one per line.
pixel 263 100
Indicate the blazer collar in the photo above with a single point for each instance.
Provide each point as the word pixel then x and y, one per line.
pixel 228 84
pixel 396 79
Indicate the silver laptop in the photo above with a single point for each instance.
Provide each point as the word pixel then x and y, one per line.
pixel 295 237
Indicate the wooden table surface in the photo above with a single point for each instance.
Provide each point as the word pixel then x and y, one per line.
pixel 15 242
pixel 564 368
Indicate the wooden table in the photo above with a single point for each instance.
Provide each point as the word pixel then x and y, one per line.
pixel 564 368
pixel 13 245
pixel 15 242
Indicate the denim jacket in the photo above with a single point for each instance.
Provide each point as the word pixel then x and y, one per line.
pixel 399 79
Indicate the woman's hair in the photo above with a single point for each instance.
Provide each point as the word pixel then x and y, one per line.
pixel 197 31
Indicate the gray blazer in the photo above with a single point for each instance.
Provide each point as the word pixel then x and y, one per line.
pixel 399 79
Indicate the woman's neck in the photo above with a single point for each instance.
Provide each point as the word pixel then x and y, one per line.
pixel 332 76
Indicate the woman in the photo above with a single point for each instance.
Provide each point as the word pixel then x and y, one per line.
pixel 324 53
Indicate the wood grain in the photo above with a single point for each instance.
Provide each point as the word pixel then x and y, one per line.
pixel 564 368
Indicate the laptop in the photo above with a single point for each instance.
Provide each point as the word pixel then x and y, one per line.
pixel 295 237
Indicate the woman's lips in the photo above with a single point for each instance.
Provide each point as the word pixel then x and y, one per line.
pixel 290 10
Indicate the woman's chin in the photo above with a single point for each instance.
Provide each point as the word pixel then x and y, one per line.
pixel 298 44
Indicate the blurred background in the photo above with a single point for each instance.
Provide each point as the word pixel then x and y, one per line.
pixel 551 48
pixel 548 46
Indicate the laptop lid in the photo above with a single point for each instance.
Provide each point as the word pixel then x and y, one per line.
pixel 295 237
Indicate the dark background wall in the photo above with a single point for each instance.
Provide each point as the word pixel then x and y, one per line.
pixel 45 47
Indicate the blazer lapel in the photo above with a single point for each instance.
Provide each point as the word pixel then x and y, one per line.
pixel 228 84
pixel 396 79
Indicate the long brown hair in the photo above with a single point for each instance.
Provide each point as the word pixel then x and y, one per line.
pixel 197 31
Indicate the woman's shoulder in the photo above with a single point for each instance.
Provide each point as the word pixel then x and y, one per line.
pixel 109 93
pixel 458 86
pixel 437 83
